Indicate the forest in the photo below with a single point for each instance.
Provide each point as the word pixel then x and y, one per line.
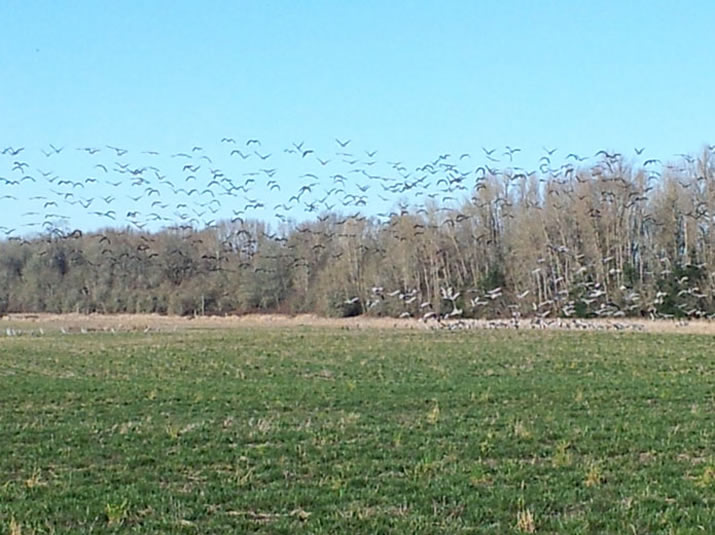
pixel 606 238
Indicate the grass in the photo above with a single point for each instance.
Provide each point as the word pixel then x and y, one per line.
pixel 334 431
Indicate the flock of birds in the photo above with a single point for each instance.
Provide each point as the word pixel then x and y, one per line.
pixel 437 324
pixel 556 312
pixel 189 189
pixel 40 331
pixel 243 181
pixel 457 325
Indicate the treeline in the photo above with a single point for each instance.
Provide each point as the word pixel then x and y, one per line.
pixel 608 239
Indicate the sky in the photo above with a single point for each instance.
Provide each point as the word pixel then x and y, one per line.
pixel 412 80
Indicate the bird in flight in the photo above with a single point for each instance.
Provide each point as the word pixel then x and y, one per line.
pixel 576 157
pixel 236 151
pixel 342 144
pixel 120 152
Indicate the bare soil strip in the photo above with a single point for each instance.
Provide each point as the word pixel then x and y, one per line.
pixel 152 322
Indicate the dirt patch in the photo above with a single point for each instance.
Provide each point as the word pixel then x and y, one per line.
pixel 152 322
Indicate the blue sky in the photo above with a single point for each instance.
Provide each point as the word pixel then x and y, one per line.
pixel 409 79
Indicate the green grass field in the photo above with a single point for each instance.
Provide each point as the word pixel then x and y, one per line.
pixel 307 430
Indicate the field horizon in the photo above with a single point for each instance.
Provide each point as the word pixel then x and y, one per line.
pixel 33 323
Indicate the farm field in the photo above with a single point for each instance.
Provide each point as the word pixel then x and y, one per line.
pixel 325 430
